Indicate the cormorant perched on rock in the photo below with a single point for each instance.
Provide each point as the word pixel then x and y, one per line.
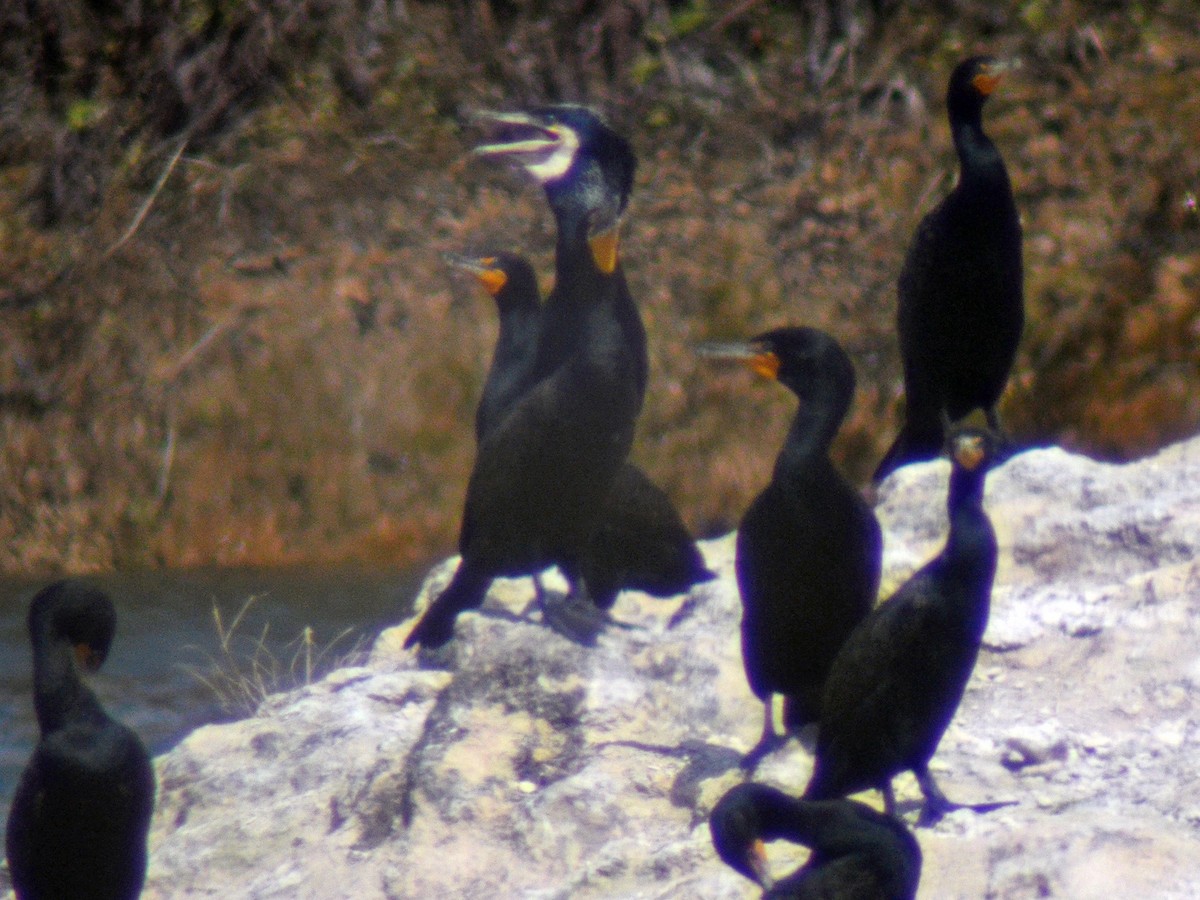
pixel 640 542
pixel 899 677
pixel 809 547
pixel 857 853
pixel 961 297
pixel 78 823
pixel 542 475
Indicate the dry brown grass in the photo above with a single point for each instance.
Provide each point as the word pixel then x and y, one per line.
pixel 276 367
pixel 244 670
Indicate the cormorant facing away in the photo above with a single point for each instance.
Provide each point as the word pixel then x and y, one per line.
pixel 961 298
pixel 809 547
pixel 898 679
pixel 542 475
pixel 640 542
pixel 78 823
pixel 857 853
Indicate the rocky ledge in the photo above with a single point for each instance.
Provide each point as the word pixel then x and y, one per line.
pixel 527 766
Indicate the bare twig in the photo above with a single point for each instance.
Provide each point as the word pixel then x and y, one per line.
pixel 733 15
pixel 149 201
pixel 168 461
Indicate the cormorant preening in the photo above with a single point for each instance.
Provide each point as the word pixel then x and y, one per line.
pixel 640 542
pixel 857 853
pixel 78 823
pixel 898 679
pixel 809 547
pixel 542 475
pixel 961 306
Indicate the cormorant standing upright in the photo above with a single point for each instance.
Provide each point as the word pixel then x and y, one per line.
pixel 961 298
pixel 857 853
pixel 898 679
pixel 78 823
pixel 511 282
pixel 640 542
pixel 809 547
pixel 542 475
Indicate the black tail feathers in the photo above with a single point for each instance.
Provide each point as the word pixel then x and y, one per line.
pixel 465 591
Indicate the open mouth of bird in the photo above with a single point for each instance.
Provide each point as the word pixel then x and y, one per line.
pixel 544 149
pixel 756 357
pixel 485 269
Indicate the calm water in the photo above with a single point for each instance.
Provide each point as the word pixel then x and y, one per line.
pixel 165 624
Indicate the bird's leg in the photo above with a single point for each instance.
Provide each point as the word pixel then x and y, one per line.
pixel 767 742
pixel 575 617
pixel 938 804
pixel 539 597
pixel 889 797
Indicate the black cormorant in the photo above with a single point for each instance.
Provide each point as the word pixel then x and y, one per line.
pixel 857 853
pixel 961 306
pixel 640 542
pixel 542 475
pixel 898 679
pixel 809 546
pixel 78 823
pixel 511 282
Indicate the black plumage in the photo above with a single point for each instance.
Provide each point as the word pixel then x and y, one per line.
pixel 961 296
pixel 542 475
pixel 857 853
pixel 640 542
pixel 809 547
pixel 78 823
pixel 898 679
pixel 512 283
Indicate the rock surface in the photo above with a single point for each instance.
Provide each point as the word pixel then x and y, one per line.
pixel 518 764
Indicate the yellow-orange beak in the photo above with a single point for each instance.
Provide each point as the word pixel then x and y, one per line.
pixel 753 356
pixel 986 82
pixel 765 364
pixel 757 857
pixel 484 268
pixel 604 245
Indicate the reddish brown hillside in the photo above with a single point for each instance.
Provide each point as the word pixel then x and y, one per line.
pixel 229 336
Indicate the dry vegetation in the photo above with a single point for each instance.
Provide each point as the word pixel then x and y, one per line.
pixel 228 336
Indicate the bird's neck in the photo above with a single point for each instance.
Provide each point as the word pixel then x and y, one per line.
pixel 811 823
pixel 812 431
pixel 59 694
pixel 573 260
pixel 979 160
pixel 518 326
pixel 971 546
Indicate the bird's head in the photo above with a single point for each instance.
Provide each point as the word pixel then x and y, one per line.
pixel 79 614
pixel 974 80
pixel 494 271
pixel 800 358
pixel 585 167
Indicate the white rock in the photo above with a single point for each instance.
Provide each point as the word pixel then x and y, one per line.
pixel 539 769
